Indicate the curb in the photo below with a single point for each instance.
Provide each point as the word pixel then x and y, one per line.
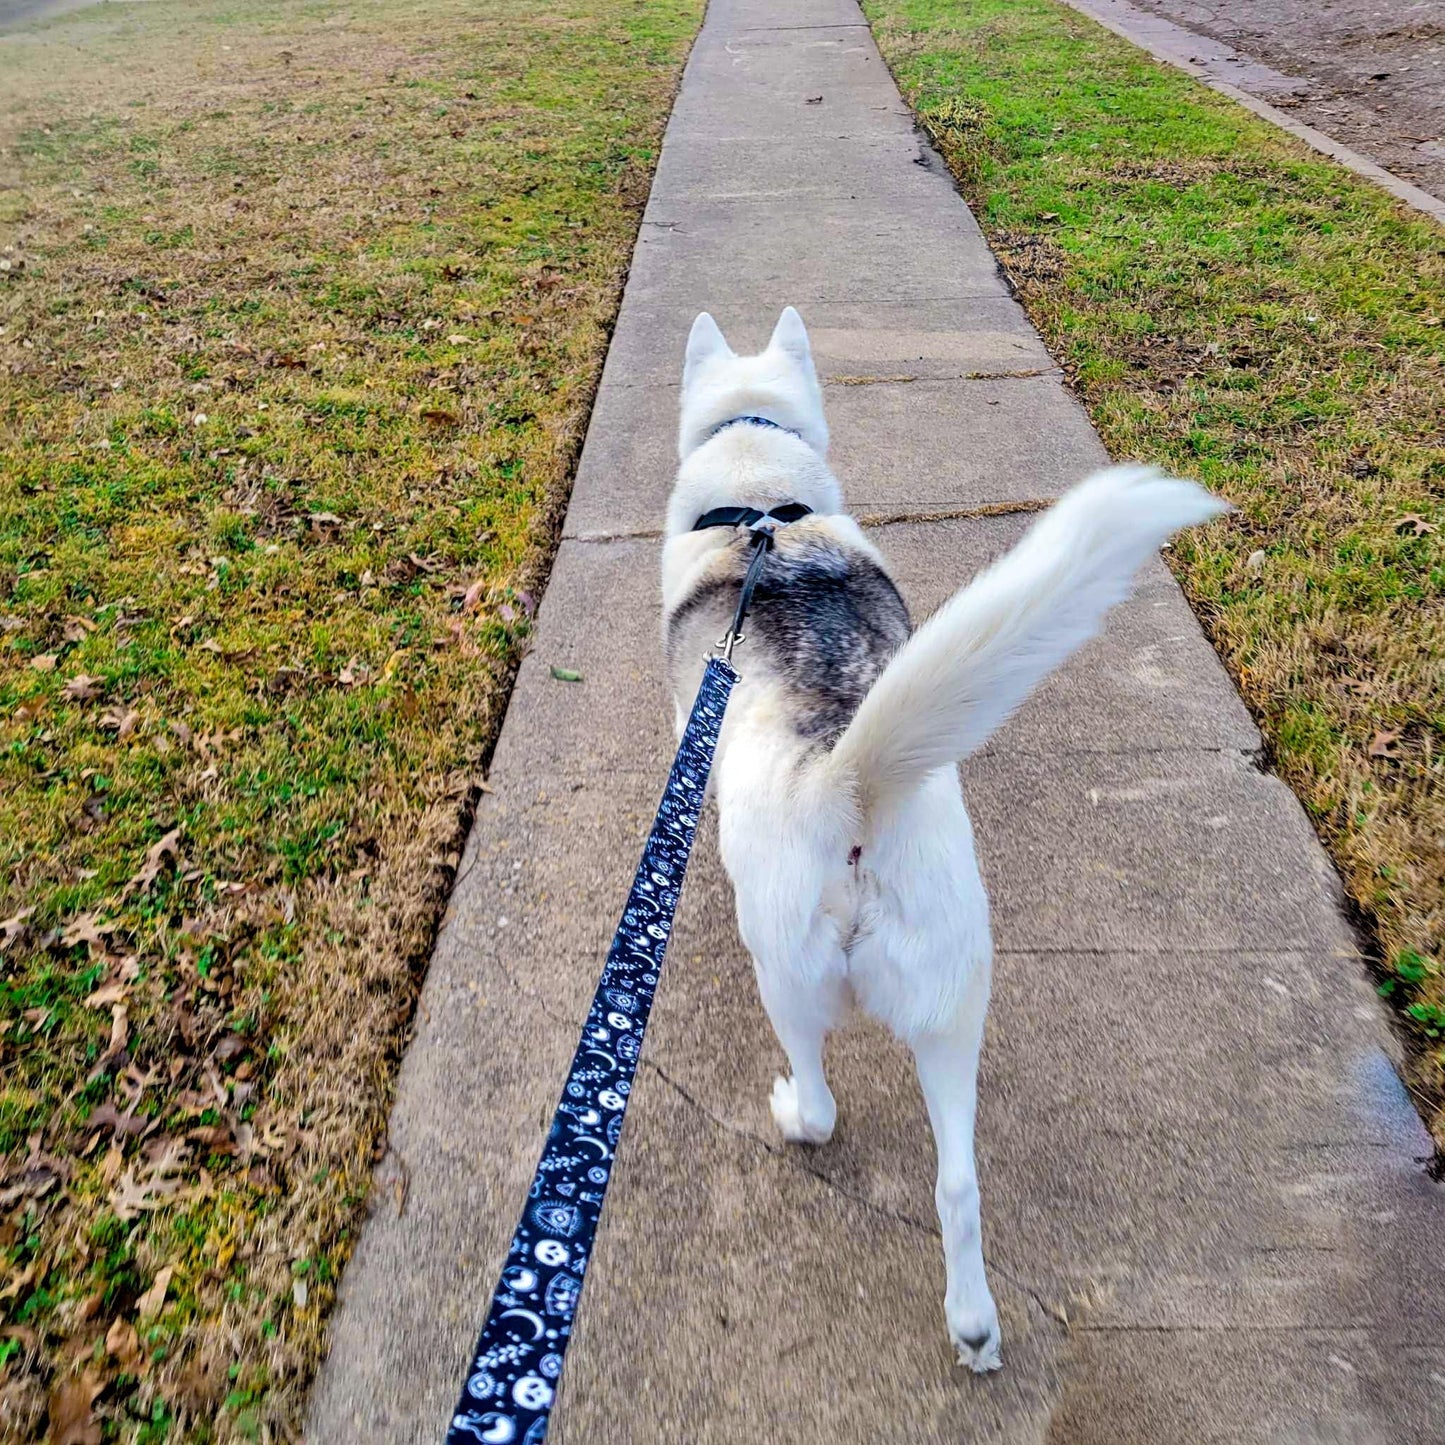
pixel 1173 45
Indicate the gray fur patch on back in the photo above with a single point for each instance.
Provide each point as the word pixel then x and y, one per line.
pixel 825 618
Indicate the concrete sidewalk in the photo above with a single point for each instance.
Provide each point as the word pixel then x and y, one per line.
pixel 1204 1210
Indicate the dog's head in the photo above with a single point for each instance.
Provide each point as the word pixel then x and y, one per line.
pixel 779 383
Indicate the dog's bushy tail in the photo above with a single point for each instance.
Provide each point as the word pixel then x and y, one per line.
pixel 981 654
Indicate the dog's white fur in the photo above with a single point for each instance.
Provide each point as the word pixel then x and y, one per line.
pixel 854 865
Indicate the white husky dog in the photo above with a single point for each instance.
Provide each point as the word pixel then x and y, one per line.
pixel 842 821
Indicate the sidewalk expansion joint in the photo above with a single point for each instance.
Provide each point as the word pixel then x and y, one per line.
pixel 903 377
pixel 866 519
pixel 1236 1327
pixel 954 514
pixel 791 1155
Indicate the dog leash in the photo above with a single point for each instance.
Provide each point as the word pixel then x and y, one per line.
pixel 512 1381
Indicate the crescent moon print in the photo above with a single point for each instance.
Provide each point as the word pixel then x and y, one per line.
pixel 532 1318
pixel 512 1384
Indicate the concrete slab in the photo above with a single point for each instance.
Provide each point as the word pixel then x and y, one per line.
pixel 922 340
pixel 690 258
pixel 1149 851
pixel 1204 1209
pixel 831 167
pixel 972 452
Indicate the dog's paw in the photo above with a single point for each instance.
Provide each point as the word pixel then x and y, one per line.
pixel 789 1117
pixel 975 1335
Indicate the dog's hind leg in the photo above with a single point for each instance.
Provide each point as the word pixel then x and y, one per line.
pixel 801 1013
pixel 948 1070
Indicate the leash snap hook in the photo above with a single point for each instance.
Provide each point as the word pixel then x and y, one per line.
pixel 761 542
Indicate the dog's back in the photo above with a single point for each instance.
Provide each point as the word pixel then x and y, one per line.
pixel 824 621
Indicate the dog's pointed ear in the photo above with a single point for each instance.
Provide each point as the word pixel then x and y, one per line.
pixel 790 336
pixel 704 342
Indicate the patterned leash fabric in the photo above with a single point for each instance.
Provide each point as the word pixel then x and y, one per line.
pixel 513 1377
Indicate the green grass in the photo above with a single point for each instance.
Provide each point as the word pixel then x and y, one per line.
pixel 1231 305
pixel 303 308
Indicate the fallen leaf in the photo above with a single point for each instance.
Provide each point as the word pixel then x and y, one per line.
pixel 120 720
pixel 229 1047
pixel 566 674
pixel 123 1346
pixel 154 1298
pixel 1385 744
pixel 1415 525
pixel 111 1164
pixel 72 1416
pixel 458 339
pixel 473 594
pixel 284 679
pixel 45 662
pixel 107 1116
pixel 85 929
pixel 77 629
pixel 438 417
pixel 107 994
pixel 210 645
pixel 14 928
pixel 156 855
pixel 355 671
pixel 149 1184
pixel 21 1279
pixel 1254 563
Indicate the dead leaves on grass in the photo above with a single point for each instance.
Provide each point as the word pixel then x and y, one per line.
pixel 1385 744
pixel 1414 525
pixel 122 1344
pixel 122 721
pixel 14 928
pixel 122 1141
pixel 153 1300
pixel 72 1410
pixel 152 1181
pixel 82 688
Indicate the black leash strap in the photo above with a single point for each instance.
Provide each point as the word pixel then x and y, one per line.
pixel 513 1377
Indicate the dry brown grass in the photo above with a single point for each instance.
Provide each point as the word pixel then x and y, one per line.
pixel 303 309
